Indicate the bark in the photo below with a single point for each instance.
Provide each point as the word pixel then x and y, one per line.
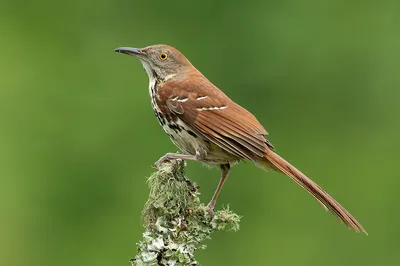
pixel 176 222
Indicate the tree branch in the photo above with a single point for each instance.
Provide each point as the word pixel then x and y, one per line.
pixel 175 220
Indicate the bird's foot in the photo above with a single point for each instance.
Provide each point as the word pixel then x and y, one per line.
pixel 163 159
pixel 168 157
pixel 211 212
pixel 210 207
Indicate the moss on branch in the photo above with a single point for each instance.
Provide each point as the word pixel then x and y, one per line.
pixel 176 222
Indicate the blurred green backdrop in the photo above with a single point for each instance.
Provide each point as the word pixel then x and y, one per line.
pixel 78 136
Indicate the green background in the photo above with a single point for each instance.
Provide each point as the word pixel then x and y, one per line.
pixel 78 136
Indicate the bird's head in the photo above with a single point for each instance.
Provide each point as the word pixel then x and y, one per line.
pixel 160 61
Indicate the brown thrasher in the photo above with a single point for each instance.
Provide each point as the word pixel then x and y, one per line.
pixel 209 127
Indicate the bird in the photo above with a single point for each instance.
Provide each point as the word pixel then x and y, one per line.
pixel 207 126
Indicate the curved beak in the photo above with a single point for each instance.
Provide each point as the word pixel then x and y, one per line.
pixel 128 51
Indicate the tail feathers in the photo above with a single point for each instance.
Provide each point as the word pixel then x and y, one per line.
pixel 274 161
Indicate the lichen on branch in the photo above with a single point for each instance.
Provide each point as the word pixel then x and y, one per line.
pixel 176 222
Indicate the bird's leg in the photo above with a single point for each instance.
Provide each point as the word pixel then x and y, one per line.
pixel 174 156
pixel 224 175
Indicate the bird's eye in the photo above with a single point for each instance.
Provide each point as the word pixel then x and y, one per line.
pixel 163 56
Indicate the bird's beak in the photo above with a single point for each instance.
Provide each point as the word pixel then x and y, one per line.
pixel 128 51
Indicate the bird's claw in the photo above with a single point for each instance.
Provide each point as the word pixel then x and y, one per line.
pixel 210 207
pixel 167 158
pixel 162 160
pixel 211 212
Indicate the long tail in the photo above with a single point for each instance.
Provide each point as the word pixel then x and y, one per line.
pixel 274 161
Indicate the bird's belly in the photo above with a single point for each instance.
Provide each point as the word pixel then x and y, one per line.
pixel 185 139
pixel 186 143
pixel 190 143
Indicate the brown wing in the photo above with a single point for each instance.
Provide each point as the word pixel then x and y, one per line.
pixel 217 118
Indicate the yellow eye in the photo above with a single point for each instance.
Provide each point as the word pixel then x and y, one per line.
pixel 163 56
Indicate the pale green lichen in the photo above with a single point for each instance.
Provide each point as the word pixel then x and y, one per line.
pixel 176 221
